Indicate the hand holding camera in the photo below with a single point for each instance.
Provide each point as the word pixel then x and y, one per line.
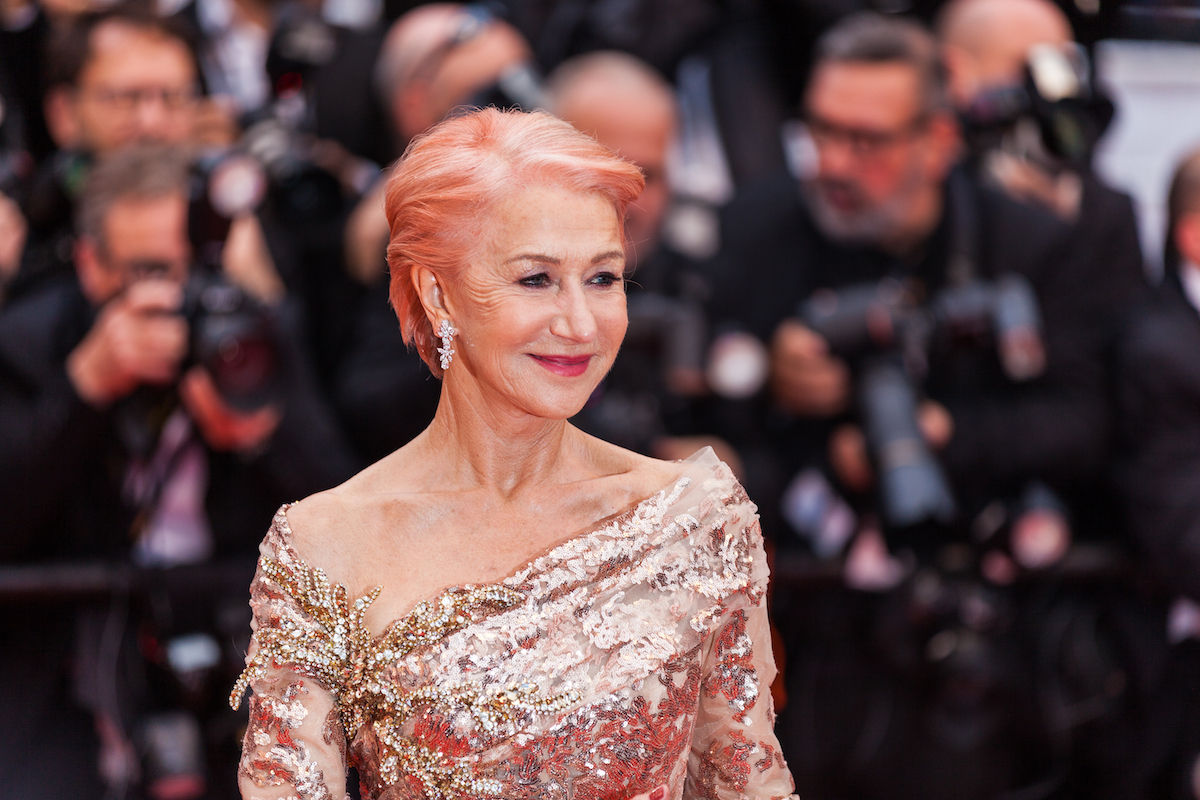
pixel 224 428
pixel 148 333
pixel 138 338
pixel 805 378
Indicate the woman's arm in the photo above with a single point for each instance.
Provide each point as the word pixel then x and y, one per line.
pixel 734 750
pixel 295 746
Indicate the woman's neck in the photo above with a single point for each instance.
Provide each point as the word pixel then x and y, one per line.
pixel 484 446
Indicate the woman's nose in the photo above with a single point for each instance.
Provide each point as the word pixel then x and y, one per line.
pixel 575 319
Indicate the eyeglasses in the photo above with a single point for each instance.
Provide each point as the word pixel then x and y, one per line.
pixel 864 143
pixel 141 269
pixel 127 100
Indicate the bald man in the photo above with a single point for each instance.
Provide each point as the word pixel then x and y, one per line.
pixel 627 105
pixel 442 55
pixel 986 45
pixel 435 58
pixel 986 42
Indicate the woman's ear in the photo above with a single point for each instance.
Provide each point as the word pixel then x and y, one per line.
pixel 433 299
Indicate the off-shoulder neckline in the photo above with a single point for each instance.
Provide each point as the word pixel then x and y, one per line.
pixel 703 457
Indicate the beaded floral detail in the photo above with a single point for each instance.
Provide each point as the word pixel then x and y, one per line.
pixel 280 760
pixel 734 675
pixel 341 654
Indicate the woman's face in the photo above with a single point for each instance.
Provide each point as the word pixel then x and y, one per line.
pixel 541 311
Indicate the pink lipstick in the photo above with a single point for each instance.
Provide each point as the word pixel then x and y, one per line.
pixel 566 366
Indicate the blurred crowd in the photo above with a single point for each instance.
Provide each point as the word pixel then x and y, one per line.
pixel 873 267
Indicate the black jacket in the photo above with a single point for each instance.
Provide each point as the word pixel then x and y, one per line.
pixel 62 461
pixel 1159 394
pixel 1005 433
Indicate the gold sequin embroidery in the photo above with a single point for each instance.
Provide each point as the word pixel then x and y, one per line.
pixel 341 654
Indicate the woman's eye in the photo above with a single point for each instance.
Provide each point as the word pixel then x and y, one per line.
pixel 541 279
pixel 605 279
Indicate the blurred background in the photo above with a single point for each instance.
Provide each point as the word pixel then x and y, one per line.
pixel 926 273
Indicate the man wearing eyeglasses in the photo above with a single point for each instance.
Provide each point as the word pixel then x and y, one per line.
pixel 878 201
pixel 121 80
pixel 116 445
pixel 115 77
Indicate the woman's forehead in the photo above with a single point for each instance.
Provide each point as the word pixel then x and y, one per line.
pixel 550 221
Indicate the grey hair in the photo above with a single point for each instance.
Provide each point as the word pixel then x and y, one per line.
pixel 873 38
pixel 137 172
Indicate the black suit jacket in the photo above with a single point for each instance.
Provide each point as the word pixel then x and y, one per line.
pixel 1005 433
pixel 1159 393
pixel 62 461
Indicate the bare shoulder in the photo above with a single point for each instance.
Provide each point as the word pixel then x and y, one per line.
pixel 632 474
pixel 338 528
pixel 324 527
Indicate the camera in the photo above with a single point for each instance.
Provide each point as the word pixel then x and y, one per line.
pixel 236 339
pixel 887 334
pixel 278 137
pixel 1054 115
pixel 231 334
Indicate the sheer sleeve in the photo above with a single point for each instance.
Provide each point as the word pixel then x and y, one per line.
pixel 295 745
pixel 734 751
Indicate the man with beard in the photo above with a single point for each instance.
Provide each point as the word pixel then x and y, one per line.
pixel 882 201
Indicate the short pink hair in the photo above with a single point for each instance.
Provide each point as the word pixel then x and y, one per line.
pixel 449 178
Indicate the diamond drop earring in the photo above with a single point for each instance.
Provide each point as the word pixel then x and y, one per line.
pixel 446 331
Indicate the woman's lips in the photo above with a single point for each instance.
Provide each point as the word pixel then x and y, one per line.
pixel 567 366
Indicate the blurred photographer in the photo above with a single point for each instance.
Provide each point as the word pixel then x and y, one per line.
pixel 116 77
pixel 882 199
pixel 1159 395
pixel 122 439
pixel 1033 116
pixel 921 381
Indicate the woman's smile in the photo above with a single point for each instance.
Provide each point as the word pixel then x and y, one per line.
pixel 567 366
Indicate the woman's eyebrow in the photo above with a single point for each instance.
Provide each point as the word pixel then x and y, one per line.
pixel 611 255
pixel 541 258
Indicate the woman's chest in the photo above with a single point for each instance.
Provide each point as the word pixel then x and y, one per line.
pixel 529 711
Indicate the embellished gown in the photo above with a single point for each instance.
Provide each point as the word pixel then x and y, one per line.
pixel 633 654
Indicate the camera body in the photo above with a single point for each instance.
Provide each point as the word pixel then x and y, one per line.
pixel 235 339
pixel 279 136
pixel 886 334
pixel 1054 116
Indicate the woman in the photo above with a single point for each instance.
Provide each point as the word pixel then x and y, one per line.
pixel 604 632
